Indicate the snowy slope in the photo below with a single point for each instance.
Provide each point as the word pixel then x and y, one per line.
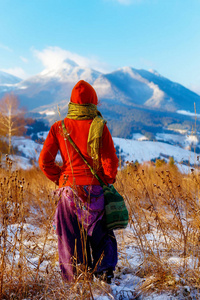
pixel 53 85
pixel 125 86
pixel 29 148
pixel 131 150
pixel 146 150
pixel 177 139
pixel 8 82
pixel 176 95
pixel 140 87
pixel 6 78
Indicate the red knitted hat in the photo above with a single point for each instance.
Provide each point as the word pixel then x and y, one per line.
pixel 83 93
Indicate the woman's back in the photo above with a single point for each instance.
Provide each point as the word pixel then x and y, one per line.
pixel 74 170
pixel 81 198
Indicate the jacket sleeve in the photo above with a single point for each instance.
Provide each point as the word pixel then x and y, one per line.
pixel 109 159
pixel 48 155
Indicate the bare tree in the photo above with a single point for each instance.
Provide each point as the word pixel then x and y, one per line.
pixel 12 121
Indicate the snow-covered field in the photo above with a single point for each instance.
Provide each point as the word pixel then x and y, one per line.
pixel 184 140
pixel 147 150
pixel 134 149
pixel 143 151
pixel 126 283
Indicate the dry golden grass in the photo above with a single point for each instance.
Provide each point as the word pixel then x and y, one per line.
pixel 28 246
pixel 164 219
pixel 26 209
pixel 164 215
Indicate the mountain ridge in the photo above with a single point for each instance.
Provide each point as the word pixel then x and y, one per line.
pixel 121 92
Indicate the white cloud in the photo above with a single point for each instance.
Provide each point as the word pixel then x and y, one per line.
pixel 54 57
pixel 24 59
pixel 18 72
pixel 4 47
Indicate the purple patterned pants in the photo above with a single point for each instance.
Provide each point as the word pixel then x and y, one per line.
pixel 82 234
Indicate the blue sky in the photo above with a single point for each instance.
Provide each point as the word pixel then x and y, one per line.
pixel 102 34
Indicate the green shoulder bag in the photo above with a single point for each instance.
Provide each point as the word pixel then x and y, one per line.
pixel 116 212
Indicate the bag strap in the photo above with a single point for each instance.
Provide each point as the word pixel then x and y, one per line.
pixel 67 136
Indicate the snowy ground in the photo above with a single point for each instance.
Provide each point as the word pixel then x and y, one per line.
pixel 126 283
pixel 137 148
pixel 146 150
pixel 29 149
pixel 124 286
pixel 177 139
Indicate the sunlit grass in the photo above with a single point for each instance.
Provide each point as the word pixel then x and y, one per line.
pixel 164 222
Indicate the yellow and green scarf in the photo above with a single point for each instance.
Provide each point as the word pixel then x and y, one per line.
pixel 86 112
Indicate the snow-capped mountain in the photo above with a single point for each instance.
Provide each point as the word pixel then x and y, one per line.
pixel 140 87
pixel 8 82
pixel 52 85
pixel 6 78
pixel 124 87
